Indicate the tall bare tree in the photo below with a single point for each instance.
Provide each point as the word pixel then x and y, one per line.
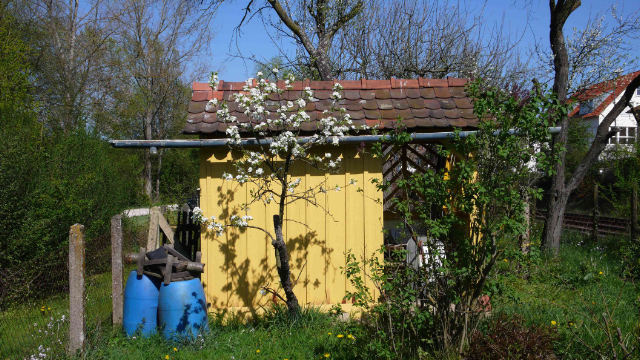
pixel 312 24
pixel 382 39
pixel 562 186
pixel 69 42
pixel 429 38
pixel 155 40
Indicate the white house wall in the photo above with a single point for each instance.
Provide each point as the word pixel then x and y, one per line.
pixel 625 119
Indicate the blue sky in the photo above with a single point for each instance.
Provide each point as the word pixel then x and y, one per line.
pixel 526 18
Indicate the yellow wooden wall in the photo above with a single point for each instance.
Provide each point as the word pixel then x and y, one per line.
pixel 239 263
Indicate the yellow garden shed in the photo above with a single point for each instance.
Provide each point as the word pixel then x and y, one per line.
pixel 239 263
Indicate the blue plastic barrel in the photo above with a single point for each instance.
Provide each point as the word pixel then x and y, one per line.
pixel 182 309
pixel 141 305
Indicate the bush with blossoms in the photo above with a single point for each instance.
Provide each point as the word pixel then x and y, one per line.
pixel 270 143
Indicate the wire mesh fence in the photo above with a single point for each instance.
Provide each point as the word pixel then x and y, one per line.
pixel 34 297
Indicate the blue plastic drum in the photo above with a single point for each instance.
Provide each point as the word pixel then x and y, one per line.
pixel 182 309
pixel 141 305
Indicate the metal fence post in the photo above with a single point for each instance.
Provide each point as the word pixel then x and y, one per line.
pixel 116 269
pixel 76 288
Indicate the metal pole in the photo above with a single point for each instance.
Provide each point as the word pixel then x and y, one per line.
pixel 353 139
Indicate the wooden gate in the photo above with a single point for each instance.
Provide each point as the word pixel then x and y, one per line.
pixel 186 238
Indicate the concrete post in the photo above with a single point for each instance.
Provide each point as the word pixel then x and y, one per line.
pixel 116 270
pixel 76 289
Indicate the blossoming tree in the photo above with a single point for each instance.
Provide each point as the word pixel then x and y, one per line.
pixel 269 146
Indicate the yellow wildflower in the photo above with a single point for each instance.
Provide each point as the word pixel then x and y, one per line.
pixel 175 349
pixel 505 260
pixel 50 308
pixel 329 333
pixel 340 336
pixel 166 357
pixel 258 351
pixel 327 355
pixel 350 337
pixel 553 322
pixel 601 272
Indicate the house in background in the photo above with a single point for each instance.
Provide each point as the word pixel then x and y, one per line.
pixel 240 263
pixel 596 101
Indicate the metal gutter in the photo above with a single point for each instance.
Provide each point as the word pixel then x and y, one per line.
pixel 198 143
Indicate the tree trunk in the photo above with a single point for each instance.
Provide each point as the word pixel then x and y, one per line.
pixel 560 11
pixel 635 230
pixel 148 184
pixel 148 175
pixel 596 213
pixel 158 170
pixel 525 238
pixel 554 220
pixel 284 271
pixel 322 62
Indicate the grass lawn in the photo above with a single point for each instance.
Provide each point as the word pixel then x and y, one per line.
pixel 314 335
pixel 569 294
pixel 26 327
pixel 580 295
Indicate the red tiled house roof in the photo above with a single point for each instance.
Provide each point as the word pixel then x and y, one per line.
pixel 613 88
pixel 425 105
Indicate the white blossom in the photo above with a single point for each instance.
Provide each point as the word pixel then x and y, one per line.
pixel 213 81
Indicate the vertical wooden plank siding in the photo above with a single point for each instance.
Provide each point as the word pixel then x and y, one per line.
pixel 355 238
pixel 335 221
pixel 240 263
pixel 317 261
pixel 373 212
pixel 213 248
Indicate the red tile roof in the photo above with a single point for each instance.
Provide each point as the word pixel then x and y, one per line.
pixel 613 88
pixel 423 104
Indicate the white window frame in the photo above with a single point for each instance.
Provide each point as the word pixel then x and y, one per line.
pixel 626 136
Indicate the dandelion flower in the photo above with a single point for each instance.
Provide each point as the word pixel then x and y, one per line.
pixel 340 336
pixel 553 322
pixel 505 260
pixel 327 355
pixel 351 337
pixel 258 351
pixel 329 333
pixel 175 349
pixel 601 273
pixel 167 357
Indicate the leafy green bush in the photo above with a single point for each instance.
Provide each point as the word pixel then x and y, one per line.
pixel 461 215
pixel 74 178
